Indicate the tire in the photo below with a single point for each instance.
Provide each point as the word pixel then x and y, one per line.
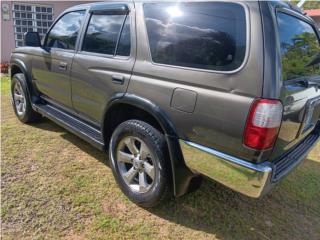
pixel 140 149
pixel 21 100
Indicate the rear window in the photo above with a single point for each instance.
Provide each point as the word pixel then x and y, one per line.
pixel 299 48
pixel 198 35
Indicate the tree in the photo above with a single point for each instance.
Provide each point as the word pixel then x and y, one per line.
pixel 297 55
pixel 308 4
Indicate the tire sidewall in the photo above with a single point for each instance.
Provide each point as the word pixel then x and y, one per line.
pixel 21 79
pixel 124 130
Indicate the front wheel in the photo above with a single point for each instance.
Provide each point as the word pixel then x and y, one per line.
pixel 20 100
pixel 140 163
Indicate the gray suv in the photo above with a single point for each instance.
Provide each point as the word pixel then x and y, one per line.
pixel 175 91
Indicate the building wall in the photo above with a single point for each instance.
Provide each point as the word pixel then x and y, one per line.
pixel 7 30
pixel 317 20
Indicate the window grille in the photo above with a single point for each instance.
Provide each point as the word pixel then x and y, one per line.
pixel 30 18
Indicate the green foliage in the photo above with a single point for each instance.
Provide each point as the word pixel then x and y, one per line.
pixel 309 4
pixel 107 222
pixel 298 55
pixel 5 85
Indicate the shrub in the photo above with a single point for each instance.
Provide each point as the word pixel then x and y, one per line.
pixel 4 67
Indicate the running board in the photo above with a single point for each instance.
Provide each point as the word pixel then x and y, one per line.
pixel 72 124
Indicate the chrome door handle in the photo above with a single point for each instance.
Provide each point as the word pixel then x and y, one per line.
pixel 63 66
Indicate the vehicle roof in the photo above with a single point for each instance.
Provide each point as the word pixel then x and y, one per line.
pixel 89 5
pixel 292 7
pixel 278 3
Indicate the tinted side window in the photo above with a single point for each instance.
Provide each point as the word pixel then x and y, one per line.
pixel 65 32
pixel 198 35
pixel 299 48
pixel 124 45
pixel 103 33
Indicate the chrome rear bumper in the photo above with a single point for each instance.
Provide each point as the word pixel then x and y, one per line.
pixel 242 176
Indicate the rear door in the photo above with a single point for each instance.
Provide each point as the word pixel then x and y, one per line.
pixel 102 67
pixel 51 64
pixel 300 94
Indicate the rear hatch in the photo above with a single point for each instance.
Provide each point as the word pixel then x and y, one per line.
pixel 300 92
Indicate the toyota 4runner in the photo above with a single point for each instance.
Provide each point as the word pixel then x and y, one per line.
pixel 178 90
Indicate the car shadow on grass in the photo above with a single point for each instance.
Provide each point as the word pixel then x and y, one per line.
pixel 47 125
pixel 291 211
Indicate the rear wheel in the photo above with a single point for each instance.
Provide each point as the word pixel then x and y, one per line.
pixel 20 100
pixel 139 162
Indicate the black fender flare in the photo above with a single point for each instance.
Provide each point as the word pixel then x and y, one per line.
pixel 33 94
pixel 181 174
pixel 22 66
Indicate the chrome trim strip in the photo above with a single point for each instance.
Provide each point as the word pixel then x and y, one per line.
pixel 247 178
pixel 263 167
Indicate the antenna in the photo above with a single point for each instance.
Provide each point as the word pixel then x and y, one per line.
pixel 300 4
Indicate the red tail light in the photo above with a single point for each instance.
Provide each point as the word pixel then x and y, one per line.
pixel 263 124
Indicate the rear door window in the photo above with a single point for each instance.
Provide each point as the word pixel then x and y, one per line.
pixel 124 45
pixel 108 34
pixel 198 35
pixel 300 50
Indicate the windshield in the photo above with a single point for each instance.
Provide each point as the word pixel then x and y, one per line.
pixel 300 48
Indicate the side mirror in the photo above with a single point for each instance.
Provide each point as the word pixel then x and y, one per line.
pixel 32 39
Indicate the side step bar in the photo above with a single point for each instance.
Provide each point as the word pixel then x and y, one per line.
pixel 74 125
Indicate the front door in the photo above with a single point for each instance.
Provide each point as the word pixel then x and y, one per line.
pixel 52 64
pixel 102 67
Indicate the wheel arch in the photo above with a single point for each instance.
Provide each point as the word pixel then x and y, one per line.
pixel 156 117
pixel 144 105
pixel 18 66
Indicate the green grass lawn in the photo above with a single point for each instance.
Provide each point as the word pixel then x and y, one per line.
pixel 55 185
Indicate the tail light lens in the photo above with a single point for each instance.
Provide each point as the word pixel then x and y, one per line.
pixel 263 124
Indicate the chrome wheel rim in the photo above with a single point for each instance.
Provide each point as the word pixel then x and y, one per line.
pixel 136 164
pixel 19 99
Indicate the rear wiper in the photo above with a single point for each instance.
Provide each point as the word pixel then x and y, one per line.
pixel 314 83
pixel 300 81
pixel 315 80
pixel 314 61
pixel 305 82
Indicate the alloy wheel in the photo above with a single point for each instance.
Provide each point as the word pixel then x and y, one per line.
pixel 19 99
pixel 136 164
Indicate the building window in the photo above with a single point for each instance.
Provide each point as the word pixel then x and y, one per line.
pixel 30 18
